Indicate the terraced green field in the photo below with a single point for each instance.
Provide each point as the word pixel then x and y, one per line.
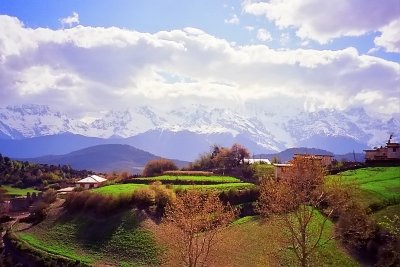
pixel 374 185
pixel 118 189
pixel 116 239
pixel 214 179
pixel 18 191
pixel 219 187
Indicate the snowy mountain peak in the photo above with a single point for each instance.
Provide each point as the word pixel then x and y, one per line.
pixel 270 131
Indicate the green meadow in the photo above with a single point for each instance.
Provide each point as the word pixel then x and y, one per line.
pixel 18 191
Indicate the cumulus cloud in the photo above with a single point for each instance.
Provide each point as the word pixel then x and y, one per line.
pixel 70 20
pixel 232 20
pixel 390 37
pixel 264 35
pixel 90 69
pixel 325 20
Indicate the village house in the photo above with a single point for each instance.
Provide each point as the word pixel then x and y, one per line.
pixel 279 169
pixel 326 160
pixel 388 154
pixel 91 182
pixel 253 160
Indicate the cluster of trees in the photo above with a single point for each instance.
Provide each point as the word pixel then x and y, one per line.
pixel 222 159
pixel 24 174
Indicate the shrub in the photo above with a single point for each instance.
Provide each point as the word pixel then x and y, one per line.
pixel 163 196
pixel 158 166
pixel 143 197
pixel 50 196
pixel 96 203
pixel 234 196
pixel 354 226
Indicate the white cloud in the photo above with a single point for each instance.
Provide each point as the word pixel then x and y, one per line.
pixel 390 37
pixel 249 28
pixel 94 69
pixel 70 20
pixel 232 20
pixel 325 20
pixel 264 35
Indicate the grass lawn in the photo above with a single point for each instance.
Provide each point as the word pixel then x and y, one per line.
pixel 219 187
pixel 18 191
pixel 214 178
pixel 117 189
pixel 377 188
pixel 252 241
pixel 375 185
pixel 116 239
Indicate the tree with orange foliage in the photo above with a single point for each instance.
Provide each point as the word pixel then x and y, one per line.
pixel 158 166
pixel 296 197
pixel 194 221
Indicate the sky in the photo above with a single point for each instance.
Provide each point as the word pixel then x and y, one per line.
pixel 87 57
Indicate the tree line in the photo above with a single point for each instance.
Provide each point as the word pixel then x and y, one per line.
pixel 24 174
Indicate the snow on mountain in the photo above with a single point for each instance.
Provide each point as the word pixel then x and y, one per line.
pixel 269 130
pixel 36 120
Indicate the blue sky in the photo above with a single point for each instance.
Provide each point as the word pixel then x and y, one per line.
pixel 261 40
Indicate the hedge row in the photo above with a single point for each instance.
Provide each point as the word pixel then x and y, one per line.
pixel 188 173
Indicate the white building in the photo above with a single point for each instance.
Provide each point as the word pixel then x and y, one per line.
pixel 252 161
pixel 91 181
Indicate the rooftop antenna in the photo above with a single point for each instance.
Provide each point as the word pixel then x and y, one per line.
pixel 390 138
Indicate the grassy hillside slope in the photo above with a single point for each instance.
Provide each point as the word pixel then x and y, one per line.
pixel 120 239
pixel 374 185
pixel 376 188
pixel 252 241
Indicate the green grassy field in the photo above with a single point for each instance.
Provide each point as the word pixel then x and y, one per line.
pixel 252 241
pixel 112 240
pixel 215 179
pixel 377 188
pixel 374 185
pixel 117 189
pixel 219 187
pixel 18 191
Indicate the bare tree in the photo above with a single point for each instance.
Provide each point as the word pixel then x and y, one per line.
pixel 297 197
pixel 194 221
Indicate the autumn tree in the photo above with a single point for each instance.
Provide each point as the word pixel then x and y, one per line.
pixel 223 158
pixel 297 197
pixel 158 166
pixel 194 222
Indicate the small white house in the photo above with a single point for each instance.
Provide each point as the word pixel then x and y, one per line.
pixel 252 161
pixel 91 182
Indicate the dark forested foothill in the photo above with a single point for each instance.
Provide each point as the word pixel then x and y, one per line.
pixel 24 174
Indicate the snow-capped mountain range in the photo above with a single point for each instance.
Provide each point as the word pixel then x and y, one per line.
pixel 264 131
